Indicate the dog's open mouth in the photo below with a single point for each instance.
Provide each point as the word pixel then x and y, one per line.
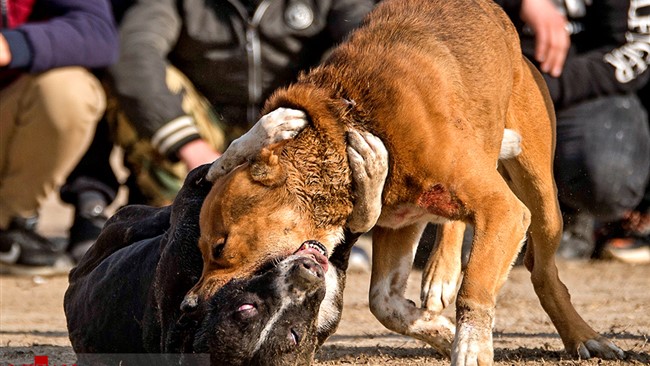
pixel 315 250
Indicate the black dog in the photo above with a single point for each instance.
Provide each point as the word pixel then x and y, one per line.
pixel 124 296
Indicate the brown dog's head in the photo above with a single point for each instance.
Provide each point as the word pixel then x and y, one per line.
pixel 292 192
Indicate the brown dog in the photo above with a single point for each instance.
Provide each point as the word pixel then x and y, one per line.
pixel 438 82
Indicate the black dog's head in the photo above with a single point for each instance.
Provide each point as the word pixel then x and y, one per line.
pixel 270 318
pixel 146 260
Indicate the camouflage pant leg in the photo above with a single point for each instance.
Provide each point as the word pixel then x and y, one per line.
pixel 157 178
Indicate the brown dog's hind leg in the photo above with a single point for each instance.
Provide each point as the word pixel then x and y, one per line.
pixel 442 273
pixel 546 228
pixel 532 180
pixel 392 258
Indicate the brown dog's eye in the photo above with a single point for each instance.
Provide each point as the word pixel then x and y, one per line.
pixel 217 248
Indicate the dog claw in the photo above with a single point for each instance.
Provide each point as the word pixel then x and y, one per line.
pixel 189 304
pixel 602 348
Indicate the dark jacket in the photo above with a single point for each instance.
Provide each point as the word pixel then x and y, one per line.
pixel 235 53
pixel 47 34
pixel 610 49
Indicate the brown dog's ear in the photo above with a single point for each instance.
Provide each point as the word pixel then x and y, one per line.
pixel 267 170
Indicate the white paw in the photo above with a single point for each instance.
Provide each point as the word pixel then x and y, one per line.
pixel 280 124
pixel 439 288
pixel 436 330
pixel 368 160
pixel 472 346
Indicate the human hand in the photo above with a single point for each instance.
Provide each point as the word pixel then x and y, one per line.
pixel 551 36
pixel 5 52
pixel 197 152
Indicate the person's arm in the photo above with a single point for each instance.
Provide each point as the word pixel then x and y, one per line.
pixel 148 32
pixel 620 66
pixel 80 33
pixel 548 24
pixel 552 39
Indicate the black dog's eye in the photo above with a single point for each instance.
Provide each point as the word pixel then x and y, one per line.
pixel 217 248
pixel 246 311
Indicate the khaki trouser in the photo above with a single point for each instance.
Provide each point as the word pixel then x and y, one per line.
pixel 47 122
pixel 158 178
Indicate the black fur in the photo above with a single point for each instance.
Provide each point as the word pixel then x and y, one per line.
pixel 124 296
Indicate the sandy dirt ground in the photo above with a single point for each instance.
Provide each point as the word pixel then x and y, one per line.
pixel 613 297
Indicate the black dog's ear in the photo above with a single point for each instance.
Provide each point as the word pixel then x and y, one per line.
pixel 341 254
pixel 196 179
pixel 188 201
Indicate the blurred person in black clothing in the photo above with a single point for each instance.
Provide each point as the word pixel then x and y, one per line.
pixel 595 58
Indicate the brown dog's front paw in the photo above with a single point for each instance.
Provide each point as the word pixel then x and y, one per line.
pixel 278 125
pixel 368 158
pixel 439 287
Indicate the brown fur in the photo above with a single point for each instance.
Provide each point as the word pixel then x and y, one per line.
pixel 437 82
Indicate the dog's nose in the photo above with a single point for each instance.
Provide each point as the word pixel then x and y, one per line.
pixel 308 272
pixel 313 268
pixel 190 303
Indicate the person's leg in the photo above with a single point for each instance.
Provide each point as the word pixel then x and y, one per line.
pixel 602 164
pixel 94 172
pixel 47 123
pixel 90 188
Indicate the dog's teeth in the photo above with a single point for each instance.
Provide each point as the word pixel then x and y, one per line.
pixel 319 248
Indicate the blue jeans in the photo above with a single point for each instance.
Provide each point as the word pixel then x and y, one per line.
pixel 602 159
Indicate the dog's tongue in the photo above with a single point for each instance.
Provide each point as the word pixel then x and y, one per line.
pixel 308 249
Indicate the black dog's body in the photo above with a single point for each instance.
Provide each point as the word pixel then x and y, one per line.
pixel 121 297
pixel 125 295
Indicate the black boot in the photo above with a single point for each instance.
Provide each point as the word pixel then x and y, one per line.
pixel 89 219
pixel 24 251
